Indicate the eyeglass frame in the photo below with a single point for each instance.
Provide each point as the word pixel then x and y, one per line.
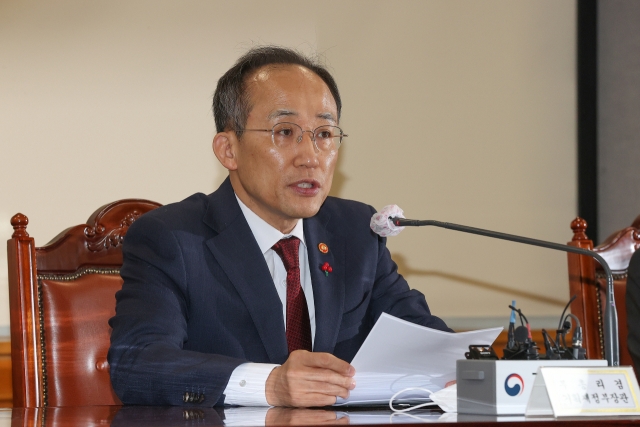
pixel 312 132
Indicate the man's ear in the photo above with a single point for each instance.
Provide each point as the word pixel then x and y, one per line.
pixel 224 149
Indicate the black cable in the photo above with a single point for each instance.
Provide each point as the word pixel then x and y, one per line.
pixel 560 328
pixel 577 335
pixel 575 319
pixel 564 343
pixel 565 310
pixel 522 316
pixel 547 338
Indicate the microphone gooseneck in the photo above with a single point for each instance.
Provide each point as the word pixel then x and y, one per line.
pixel 610 315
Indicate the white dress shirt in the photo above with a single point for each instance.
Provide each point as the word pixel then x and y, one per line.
pixel 247 382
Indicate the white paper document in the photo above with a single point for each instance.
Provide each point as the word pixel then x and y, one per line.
pixel 398 354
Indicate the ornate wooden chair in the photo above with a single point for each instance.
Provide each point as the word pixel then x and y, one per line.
pixel 588 282
pixel 61 296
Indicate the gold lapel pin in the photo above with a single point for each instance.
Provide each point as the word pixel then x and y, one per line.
pixel 322 247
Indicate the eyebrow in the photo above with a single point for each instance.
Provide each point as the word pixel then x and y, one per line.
pixel 281 113
pixel 327 116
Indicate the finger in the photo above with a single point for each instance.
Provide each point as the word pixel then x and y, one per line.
pixel 299 417
pixel 342 421
pixel 330 377
pixel 320 375
pixel 321 388
pixel 314 399
pixel 328 361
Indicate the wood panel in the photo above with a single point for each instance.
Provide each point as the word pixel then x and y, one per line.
pixel 5 373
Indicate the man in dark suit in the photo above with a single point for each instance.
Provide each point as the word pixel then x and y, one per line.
pixel 261 292
pixel 633 309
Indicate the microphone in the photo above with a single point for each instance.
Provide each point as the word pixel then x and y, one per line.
pixel 524 347
pixel 511 343
pixel 390 221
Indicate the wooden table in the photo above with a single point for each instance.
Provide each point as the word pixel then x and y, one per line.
pixel 178 416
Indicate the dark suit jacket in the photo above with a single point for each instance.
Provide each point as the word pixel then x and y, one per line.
pixel 632 300
pixel 198 299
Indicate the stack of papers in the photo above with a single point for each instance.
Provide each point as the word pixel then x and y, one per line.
pixel 398 354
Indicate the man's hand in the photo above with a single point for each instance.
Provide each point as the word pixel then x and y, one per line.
pixel 303 417
pixel 309 379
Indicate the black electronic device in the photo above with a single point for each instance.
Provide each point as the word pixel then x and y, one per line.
pixel 481 352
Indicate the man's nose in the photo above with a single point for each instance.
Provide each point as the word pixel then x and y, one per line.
pixel 307 155
pixel 311 136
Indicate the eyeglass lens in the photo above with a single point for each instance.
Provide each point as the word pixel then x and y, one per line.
pixel 326 137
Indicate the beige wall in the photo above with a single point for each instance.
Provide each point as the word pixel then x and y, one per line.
pixel 457 110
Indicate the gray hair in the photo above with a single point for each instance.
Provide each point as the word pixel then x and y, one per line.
pixel 231 103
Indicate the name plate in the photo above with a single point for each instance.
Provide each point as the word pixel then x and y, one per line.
pixel 568 391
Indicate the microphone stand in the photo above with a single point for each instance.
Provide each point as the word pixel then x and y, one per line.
pixel 610 315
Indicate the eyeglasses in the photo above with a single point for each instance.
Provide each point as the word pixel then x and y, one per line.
pixel 287 135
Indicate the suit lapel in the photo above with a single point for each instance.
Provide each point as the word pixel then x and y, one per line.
pixel 328 290
pixel 238 254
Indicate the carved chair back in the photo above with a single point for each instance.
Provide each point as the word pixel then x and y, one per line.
pixel 61 297
pixel 588 281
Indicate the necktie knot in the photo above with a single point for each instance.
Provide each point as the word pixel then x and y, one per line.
pixel 288 250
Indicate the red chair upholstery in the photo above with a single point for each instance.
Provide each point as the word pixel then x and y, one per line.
pixel 61 297
pixel 588 282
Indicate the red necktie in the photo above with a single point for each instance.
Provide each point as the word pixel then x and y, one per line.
pixel 298 325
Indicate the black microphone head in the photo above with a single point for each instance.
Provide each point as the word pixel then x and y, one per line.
pixel 521 334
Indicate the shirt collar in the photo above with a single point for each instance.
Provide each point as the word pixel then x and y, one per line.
pixel 265 234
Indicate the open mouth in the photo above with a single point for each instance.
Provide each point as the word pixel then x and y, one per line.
pixel 306 188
